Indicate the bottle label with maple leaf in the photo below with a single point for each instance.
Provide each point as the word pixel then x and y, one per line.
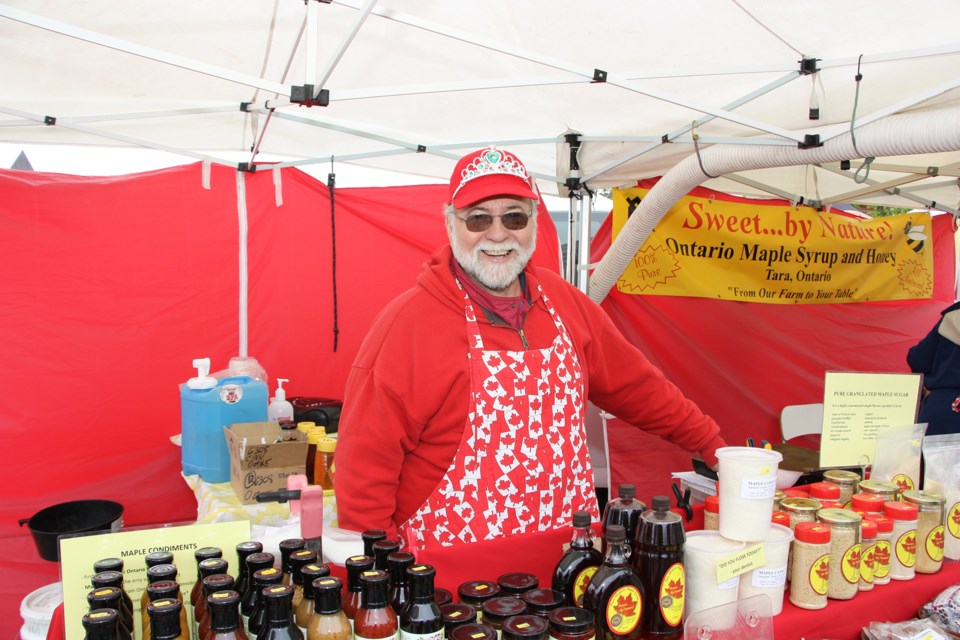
pixel 953 520
pixel 907 548
pixel 623 610
pixel 820 574
pixel 868 563
pixel 881 559
pixel 850 566
pixel 934 543
pixel 580 584
pixel 903 481
pixel 672 591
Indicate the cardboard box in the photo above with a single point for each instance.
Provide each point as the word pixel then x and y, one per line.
pixel 259 463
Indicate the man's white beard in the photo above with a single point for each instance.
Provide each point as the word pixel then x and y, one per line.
pixel 493 276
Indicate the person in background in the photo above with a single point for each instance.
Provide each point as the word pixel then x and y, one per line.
pixel 463 414
pixel 937 357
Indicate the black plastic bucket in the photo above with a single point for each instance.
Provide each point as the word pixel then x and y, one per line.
pixel 71 518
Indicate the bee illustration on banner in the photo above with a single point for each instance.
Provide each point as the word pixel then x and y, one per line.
pixel 915 236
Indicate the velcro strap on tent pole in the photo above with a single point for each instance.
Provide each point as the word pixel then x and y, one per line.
pixel 205 174
pixel 278 186
pixel 242 252
pixel 331 183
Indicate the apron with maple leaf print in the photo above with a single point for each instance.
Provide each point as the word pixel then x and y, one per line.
pixel 522 464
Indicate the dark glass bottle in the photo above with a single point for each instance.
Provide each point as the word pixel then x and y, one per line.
pixel 211 585
pixel 659 563
pixel 201 554
pixel 397 564
pixel 156 559
pixel 244 551
pixel 224 614
pixel 115 579
pixel 207 568
pixel 165 620
pixel 624 510
pixel 100 624
pixel 356 566
pixel 109 598
pixel 115 564
pixel 248 599
pixel 421 617
pixel 369 537
pixel 381 550
pixel 456 614
pixel 328 622
pixel 615 594
pixel 578 564
pixel 279 623
pixel 298 560
pixel 309 574
pixel 164 590
pixel 262 579
pixel 375 618
pixel 287 547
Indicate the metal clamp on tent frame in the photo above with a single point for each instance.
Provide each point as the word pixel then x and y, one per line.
pixel 304 95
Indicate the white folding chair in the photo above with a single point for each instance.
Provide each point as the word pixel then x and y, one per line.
pixel 801 420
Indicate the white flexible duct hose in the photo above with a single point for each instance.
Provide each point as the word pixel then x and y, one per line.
pixel 922 131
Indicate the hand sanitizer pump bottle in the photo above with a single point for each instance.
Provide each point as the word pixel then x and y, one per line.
pixel 207 405
pixel 280 408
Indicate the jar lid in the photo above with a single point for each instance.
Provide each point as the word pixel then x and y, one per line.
pixel 478 590
pixel 524 626
pixel 781 517
pixel 799 505
pixel 867 502
pixel 876 486
pixel 839 517
pixel 900 510
pixel 326 445
pixel 440 596
pixel 812 532
pixel 829 504
pixel 841 476
pixel 868 530
pixel 570 619
pixel 795 493
pixel 923 498
pixel 884 524
pixel 542 599
pixel 711 504
pixel 517 582
pixel 457 613
pixel 828 490
pixel 503 607
pixel 474 632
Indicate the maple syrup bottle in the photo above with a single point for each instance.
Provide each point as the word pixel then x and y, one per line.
pixel 287 547
pixel 115 564
pixel 615 594
pixel 356 565
pixel 659 563
pixel 156 559
pixel 624 510
pixel 201 554
pixel 164 590
pixel 224 612
pixel 211 585
pixel 244 551
pixel 279 623
pixel 262 580
pixel 248 599
pixel 375 618
pixel 109 598
pixel 115 579
pixel 397 564
pixel 165 616
pixel 328 622
pixel 578 564
pixel 207 568
pixel 298 560
pixel 100 624
pixel 309 574
pixel 421 618
pixel 369 537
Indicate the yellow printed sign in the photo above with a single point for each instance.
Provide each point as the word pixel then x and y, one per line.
pixel 739 562
pixel 776 254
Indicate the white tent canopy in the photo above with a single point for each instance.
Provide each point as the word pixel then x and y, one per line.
pixel 412 85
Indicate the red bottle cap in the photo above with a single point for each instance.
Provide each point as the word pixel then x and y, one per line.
pixel 827 490
pixel 711 504
pixel 781 517
pixel 812 532
pixel 884 524
pixel 828 504
pixel 867 502
pixel 900 510
pixel 796 493
pixel 868 530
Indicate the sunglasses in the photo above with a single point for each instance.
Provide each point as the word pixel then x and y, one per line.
pixel 514 221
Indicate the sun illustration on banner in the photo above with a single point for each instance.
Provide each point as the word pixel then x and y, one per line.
pixel 650 267
pixel 915 277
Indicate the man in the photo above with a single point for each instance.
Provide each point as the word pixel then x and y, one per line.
pixel 937 357
pixel 463 416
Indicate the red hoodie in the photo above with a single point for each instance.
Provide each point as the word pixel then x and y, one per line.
pixel 407 397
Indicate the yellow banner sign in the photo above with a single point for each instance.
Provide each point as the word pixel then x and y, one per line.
pixel 710 247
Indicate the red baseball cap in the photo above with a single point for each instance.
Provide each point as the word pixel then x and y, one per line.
pixel 489 172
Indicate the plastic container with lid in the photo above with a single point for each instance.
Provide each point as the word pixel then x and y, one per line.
pixel 702 551
pixel 844 552
pixel 930 528
pixel 748 482
pixel 795 492
pixel 525 627
pixel 571 623
pixel 497 610
pixel 903 558
pixel 810 572
pixel 771 578
pixel 886 490
pixel 846 480
pixel 867 503
pixel 476 592
pixel 882 547
pixel 868 555
pixel 781 518
pixel 279 407
pixel 711 513
pixel 36 610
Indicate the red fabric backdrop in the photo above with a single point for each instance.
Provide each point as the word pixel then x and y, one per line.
pixel 743 362
pixel 112 286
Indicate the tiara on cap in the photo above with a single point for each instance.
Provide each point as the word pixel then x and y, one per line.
pixel 492 161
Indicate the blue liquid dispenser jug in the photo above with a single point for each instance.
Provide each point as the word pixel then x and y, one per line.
pixel 207 405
